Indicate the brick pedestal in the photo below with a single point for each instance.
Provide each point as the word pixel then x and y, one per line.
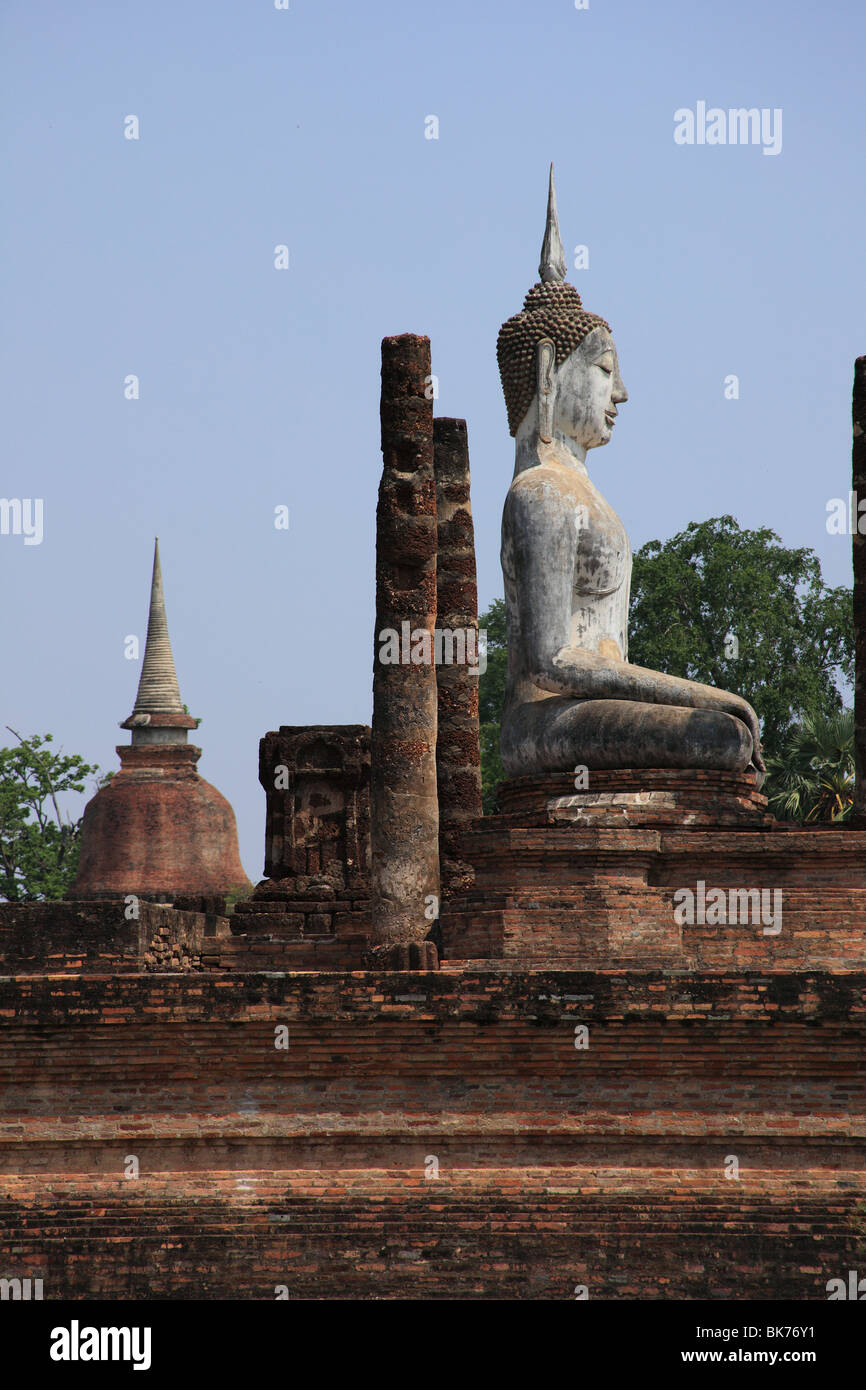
pixel 563 881
pixel 644 796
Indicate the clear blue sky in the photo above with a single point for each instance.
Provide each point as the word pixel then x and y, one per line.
pixel 260 387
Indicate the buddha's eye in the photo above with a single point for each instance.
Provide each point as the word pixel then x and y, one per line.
pixel 604 367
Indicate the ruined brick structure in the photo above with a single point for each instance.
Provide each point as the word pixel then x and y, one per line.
pixel 158 829
pixel 404 806
pixel 588 1094
pixel 558 1106
pixel 317 782
pixel 458 751
pixel 858 485
pixel 313 909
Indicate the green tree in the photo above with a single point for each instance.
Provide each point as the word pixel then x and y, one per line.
pixel 812 779
pixel 39 846
pixel 737 609
pixel 491 695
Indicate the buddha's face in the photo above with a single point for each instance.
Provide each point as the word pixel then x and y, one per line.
pixel 588 390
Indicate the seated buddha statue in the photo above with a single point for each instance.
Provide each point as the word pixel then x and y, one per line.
pixel 572 696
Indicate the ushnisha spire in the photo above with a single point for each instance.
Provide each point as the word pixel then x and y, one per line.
pixel 552 266
pixel 158 690
pixel 553 310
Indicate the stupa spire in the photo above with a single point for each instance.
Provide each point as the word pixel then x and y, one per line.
pixel 552 265
pixel 158 829
pixel 158 690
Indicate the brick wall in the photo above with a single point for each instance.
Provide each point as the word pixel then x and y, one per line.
pixel 589 898
pixel 557 1166
pixel 101 938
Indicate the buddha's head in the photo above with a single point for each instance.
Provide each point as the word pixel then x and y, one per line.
pixel 557 361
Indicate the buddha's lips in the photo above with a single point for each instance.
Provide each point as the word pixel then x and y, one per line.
pixel 610 416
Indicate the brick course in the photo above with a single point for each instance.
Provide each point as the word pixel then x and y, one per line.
pixel 556 1166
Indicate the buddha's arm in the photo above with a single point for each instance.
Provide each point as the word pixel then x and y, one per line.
pixel 543 543
pixel 591 676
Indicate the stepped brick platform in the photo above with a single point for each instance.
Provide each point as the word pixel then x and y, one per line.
pixel 559 883
pixel 588 1094
pixel 315 908
pixel 433 1135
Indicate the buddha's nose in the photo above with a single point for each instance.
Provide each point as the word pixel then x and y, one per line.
pixel 619 393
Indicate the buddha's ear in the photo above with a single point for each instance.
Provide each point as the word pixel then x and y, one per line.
pixel 545 366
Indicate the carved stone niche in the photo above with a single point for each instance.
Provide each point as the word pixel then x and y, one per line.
pixel 317 782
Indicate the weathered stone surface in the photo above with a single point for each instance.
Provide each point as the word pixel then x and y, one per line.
pixel 858 484
pixel 637 796
pixel 316 780
pixel 572 697
pixel 403 805
pixel 458 752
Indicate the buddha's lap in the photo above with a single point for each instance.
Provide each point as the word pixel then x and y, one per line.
pixel 558 733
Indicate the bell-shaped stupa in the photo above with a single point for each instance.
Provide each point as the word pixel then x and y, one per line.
pixel 158 830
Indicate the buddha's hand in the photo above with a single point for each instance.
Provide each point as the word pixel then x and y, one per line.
pixel 743 711
pixel 609 648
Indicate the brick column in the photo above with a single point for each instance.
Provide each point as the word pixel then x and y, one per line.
pixel 858 484
pixel 404 813
pixel 458 751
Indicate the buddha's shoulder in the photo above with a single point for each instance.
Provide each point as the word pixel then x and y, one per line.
pixel 550 483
